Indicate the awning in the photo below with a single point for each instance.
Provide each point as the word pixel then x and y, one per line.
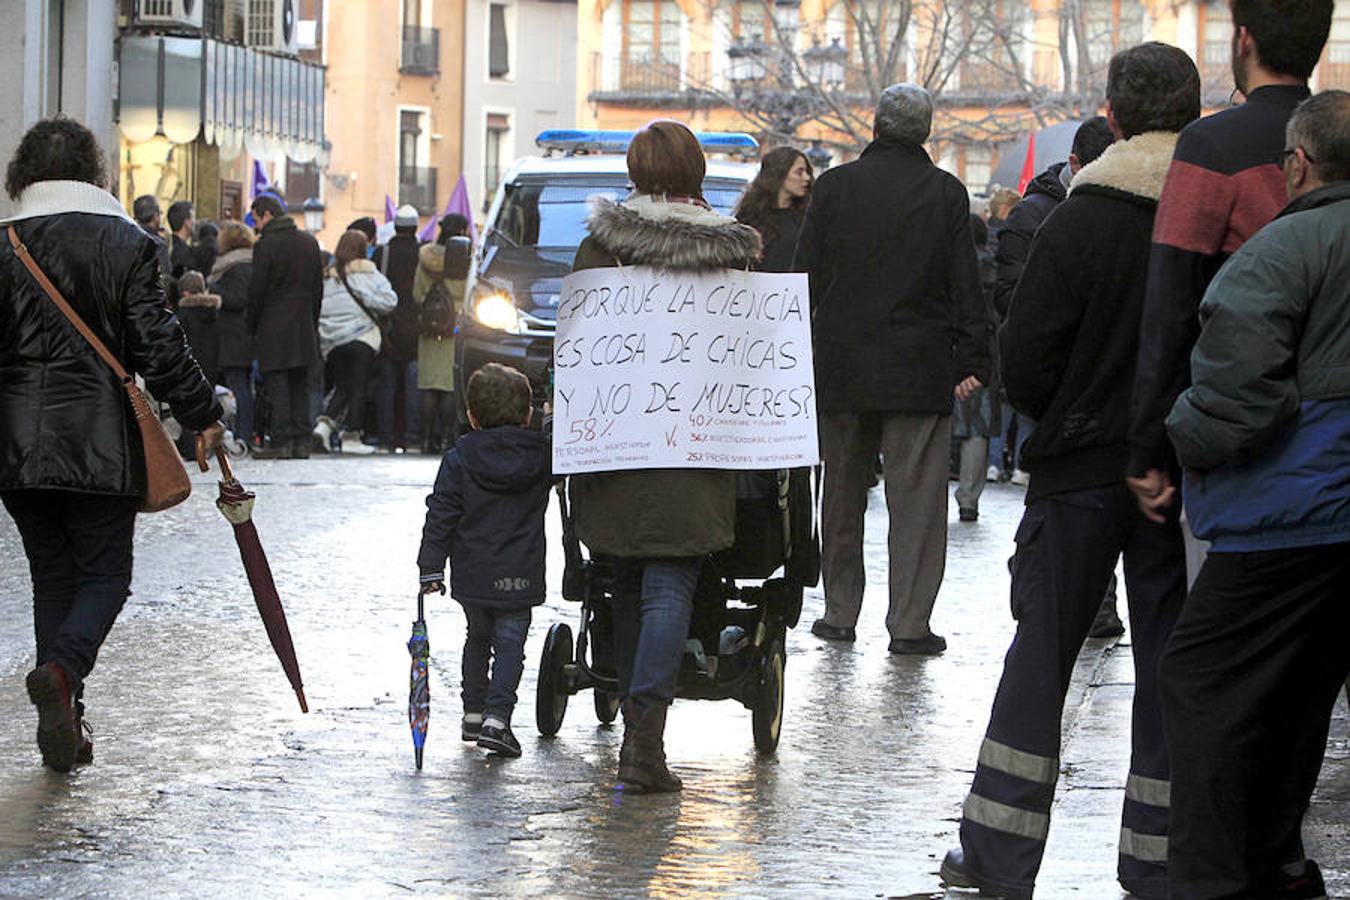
pixel 234 97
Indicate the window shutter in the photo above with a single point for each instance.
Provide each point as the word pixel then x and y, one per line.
pixel 499 65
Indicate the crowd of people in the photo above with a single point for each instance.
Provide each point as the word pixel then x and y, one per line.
pixel 337 344
pixel 1151 337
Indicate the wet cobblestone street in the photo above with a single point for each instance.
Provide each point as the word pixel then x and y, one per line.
pixel 209 782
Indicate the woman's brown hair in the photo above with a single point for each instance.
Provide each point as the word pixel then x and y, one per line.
pixel 666 158
pixel 350 247
pixel 234 236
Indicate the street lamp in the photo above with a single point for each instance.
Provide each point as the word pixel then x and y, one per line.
pixel 746 62
pixel 313 208
pixel 826 66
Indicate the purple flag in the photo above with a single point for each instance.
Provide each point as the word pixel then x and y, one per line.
pixel 388 209
pixel 260 182
pixel 458 203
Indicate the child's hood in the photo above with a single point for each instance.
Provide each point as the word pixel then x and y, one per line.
pixel 508 459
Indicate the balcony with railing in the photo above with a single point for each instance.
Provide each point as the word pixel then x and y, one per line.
pixel 417 187
pixel 421 50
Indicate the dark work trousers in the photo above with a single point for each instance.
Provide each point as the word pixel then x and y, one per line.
pixel 395 382
pixel 498 637
pixel 915 451
pixel 240 380
pixel 1249 681
pixel 351 364
pixel 1067 545
pixel 288 404
pixel 79 554
pixel 653 603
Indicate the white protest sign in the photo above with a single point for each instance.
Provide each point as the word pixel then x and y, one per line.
pixel 656 369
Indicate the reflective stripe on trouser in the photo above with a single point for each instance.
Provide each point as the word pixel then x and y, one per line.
pixel 1067 546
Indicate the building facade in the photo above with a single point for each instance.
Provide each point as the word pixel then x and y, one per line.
pixel 520 71
pixel 56 56
pixel 395 107
pixel 808 71
pixel 184 95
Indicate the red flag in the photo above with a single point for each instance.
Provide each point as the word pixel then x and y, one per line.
pixel 1029 166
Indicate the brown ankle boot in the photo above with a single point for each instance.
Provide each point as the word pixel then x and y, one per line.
pixel 645 769
pixel 52 690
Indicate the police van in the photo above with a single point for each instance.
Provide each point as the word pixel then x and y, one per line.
pixel 534 226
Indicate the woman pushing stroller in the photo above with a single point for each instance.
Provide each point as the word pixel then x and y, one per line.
pixel 657 525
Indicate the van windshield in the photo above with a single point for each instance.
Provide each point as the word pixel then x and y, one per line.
pixel 553 214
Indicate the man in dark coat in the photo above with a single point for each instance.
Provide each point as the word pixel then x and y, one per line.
pixel 396 366
pixel 1225 183
pixel 182 258
pixel 1068 352
pixel 146 211
pixel 285 295
pixel 1251 674
pixel 899 327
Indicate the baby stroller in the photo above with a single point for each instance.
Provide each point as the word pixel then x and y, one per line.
pixel 743 608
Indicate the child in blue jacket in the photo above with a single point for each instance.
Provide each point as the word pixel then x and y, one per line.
pixel 486 514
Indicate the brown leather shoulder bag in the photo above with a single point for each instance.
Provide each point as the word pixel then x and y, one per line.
pixel 166 479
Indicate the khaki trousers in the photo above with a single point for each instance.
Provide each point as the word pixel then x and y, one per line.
pixel 914 449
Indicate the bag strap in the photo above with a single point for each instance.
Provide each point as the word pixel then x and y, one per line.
pixel 374 320
pixel 41 278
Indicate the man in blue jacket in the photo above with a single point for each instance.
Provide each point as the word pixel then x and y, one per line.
pixel 1257 658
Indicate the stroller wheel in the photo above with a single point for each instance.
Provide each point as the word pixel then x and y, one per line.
pixel 767 715
pixel 606 706
pixel 550 699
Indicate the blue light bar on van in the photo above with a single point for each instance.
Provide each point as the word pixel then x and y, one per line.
pixel 575 140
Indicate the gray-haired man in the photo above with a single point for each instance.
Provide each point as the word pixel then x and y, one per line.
pixel 900 325
pixel 1257 658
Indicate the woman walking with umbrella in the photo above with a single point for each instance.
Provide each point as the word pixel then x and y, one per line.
pixel 659 524
pixel 72 472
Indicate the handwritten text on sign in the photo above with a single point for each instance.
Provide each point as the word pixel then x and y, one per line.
pixel 657 369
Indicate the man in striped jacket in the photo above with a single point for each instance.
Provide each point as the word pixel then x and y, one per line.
pixel 1224 185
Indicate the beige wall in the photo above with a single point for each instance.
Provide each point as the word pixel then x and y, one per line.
pixel 365 89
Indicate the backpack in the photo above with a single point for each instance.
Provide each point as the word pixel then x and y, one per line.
pixel 436 317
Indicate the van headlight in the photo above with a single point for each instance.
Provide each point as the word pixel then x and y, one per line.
pixel 496 310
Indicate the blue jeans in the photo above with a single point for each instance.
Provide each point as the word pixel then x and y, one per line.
pixel 653 601
pixel 79 554
pixel 497 636
pixel 997 442
pixel 387 374
pixel 240 382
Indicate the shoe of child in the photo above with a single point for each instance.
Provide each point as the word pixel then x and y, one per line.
pixel 470 726
pixel 1020 478
pixel 498 740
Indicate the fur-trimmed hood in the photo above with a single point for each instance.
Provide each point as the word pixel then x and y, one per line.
pixel 228 261
pixel 647 231
pixel 199 301
pixel 1137 166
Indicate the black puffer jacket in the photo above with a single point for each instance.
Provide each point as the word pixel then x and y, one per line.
pixel 285 294
pixel 64 419
pixel 486 514
pixel 1013 239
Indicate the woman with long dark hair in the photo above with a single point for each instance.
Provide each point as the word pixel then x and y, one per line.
pixel 72 465
pixel 355 299
pixel 775 203
pixel 657 524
